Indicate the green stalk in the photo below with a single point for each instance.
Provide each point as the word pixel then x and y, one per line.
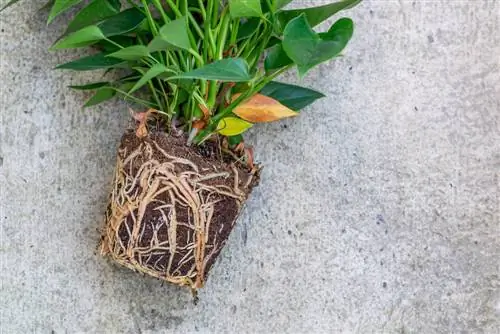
pixel 158 101
pixel 212 94
pixel 221 43
pixel 151 22
pixel 223 31
pixel 202 10
pixel 209 38
pixel 196 26
pixel 215 13
pixel 184 7
pixel 255 37
pixel 160 9
pixel 165 96
pixel 255 55
pixel 234 31
pixel 174 8
pixel 198 58
pixel 136 99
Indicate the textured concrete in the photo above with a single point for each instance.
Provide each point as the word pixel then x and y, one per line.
pixel 378 210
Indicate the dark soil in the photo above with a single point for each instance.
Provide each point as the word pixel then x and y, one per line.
pixel 150 251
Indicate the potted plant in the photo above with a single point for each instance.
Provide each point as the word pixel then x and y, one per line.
pixel 205 72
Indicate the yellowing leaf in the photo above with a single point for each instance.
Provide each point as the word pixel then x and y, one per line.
pixel 232 126
pixel 260 108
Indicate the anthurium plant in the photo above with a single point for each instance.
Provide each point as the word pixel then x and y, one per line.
pixel 204 72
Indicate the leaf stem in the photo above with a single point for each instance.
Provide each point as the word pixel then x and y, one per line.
pixel 160 9
pixel 152 23
pixel 174 8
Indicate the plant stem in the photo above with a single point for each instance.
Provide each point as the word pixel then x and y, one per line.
pixel 160 9
pixel 212 94
pixel 199 59
pixel 174 8
pixel 224 28
pixel 135 99
pixel 158 101
pixel 202 10
pixel 196 26
pixel 152 23
pixel 215 13
pixel 235 25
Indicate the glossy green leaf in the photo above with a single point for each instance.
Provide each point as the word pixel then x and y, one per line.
pixel 247 29
pixel 108 47
pixel 307 48
pixel 89 86
pixel 8 4
pixel 89 63
pixel 276 58
pixel 316 15
pixel 272 42
pixel 134 52
pixel 126 86
pixel 234 140
pixel 232 126
pixel 122 23
pixel 94 12
pixel 173 35
pixel 115 4
pixel 291 96
pixel 245 8
pixel 61 6
pixel 84 37
pixel 101 95
pixel 152 73
pixel 229 69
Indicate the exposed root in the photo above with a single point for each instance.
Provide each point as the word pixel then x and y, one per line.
pixel 146 184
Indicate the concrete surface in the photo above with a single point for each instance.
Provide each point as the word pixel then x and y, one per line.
pixel 378 210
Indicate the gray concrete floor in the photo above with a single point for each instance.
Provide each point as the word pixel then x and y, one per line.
pixel 378 210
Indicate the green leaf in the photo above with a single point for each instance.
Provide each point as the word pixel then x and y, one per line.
pixel 308 49
pixel 234 140
pixel 152 73
pixel 232 126
pixel 276 58
pixel 61 6
pixel 247 29
pixel 291 96
pixel 89 86
pixel 229 69
pixel 116 4
pixel 94 12
pixel 8 4
pixel 84 37
pixel 124 41
pixel 89 63
pixel 101 95
pixel 173 35
pixel 245 8
pixel 122 23
pixel 134 52
pixel 272 42
pixel 316 15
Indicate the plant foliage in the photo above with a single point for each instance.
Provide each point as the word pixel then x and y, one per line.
pixel 209 65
